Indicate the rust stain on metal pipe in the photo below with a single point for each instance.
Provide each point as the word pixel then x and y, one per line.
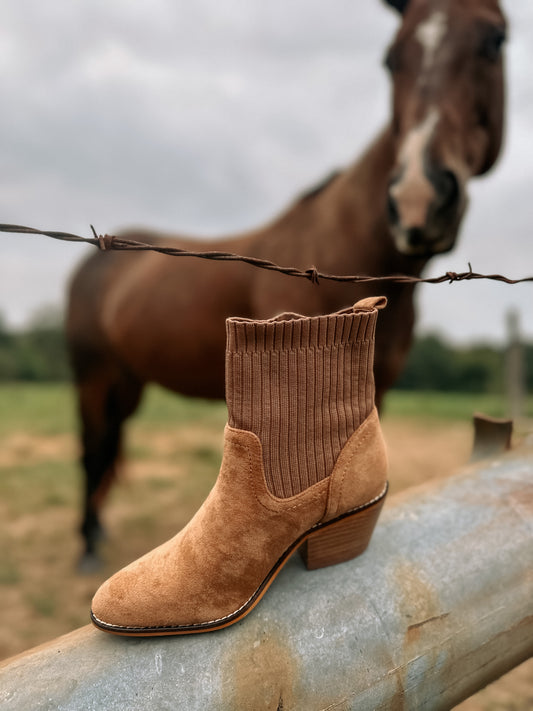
pixel 261 672
pixel 417 599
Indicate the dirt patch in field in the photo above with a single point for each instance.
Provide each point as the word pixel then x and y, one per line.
pixel 418 452
pixel 22 448
pixel 177 440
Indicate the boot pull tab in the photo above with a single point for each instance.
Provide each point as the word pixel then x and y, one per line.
pixel 371 303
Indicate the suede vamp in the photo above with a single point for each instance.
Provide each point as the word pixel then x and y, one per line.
pixel 212 568
pixel 217 562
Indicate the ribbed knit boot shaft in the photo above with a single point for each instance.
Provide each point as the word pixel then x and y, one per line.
pixel 303 385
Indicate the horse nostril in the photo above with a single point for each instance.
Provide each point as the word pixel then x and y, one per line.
pixel 392 210
pixel 415 236
pixel 447 187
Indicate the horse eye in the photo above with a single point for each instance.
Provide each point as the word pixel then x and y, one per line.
pixel 492 43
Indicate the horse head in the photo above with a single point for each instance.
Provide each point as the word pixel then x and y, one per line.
pixel 446 67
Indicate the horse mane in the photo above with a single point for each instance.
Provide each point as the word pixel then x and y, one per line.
pixel 319 187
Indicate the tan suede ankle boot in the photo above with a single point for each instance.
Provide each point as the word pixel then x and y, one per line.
pixel 304 466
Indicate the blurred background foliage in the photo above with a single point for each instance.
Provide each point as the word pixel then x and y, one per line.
pixel 435 364
pixel 38 353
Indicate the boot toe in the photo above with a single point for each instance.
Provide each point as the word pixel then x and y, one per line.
pixel 113 604
pixel 131 599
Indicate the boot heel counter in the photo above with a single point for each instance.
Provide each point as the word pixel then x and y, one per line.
pixel 343 539
pixel 360 472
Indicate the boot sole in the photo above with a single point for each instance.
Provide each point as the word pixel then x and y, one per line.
pixel 336 541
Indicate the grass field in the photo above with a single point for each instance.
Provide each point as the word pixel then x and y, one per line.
pixel 172 458
pixel 50 409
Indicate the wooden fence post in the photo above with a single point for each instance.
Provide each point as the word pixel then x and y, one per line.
pixel 514 366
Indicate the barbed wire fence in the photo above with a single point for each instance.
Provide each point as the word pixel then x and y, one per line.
pixel 111 242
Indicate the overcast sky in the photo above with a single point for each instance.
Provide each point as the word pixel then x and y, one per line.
pixel 208 117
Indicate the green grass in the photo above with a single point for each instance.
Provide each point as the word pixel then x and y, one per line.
pixel 43 604
pixel 51 408
pixel 31 488
pixel 9 572
pixel 446 406
pixel 42 408
pixel 48 409
pixel 163 407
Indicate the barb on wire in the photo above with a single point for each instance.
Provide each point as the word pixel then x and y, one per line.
pixel 110 242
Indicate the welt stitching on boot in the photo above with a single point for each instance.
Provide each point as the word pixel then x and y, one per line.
pixel 303 385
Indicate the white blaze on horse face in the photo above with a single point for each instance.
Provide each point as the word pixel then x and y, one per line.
pixel 430 34
pixel 414 193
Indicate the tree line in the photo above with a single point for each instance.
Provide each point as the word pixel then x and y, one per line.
pixel 435 364
pixel 38 354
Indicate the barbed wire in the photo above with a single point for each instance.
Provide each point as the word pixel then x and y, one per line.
pixel 111 242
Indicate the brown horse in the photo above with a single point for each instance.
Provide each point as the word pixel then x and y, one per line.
pixel 136 318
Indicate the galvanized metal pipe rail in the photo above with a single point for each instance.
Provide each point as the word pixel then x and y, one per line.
pixel 440 605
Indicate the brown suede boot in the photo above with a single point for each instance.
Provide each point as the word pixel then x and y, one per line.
pixel 304 466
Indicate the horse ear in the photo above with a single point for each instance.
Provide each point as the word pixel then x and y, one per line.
pixel 399 5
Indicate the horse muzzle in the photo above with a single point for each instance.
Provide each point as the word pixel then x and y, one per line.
pixel 424 211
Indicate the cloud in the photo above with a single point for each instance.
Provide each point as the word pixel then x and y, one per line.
pixel 208 117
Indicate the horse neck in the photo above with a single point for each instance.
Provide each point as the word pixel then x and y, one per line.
pixel 341 229
pixel 358 200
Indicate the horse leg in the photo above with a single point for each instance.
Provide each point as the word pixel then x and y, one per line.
pixel 104 406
